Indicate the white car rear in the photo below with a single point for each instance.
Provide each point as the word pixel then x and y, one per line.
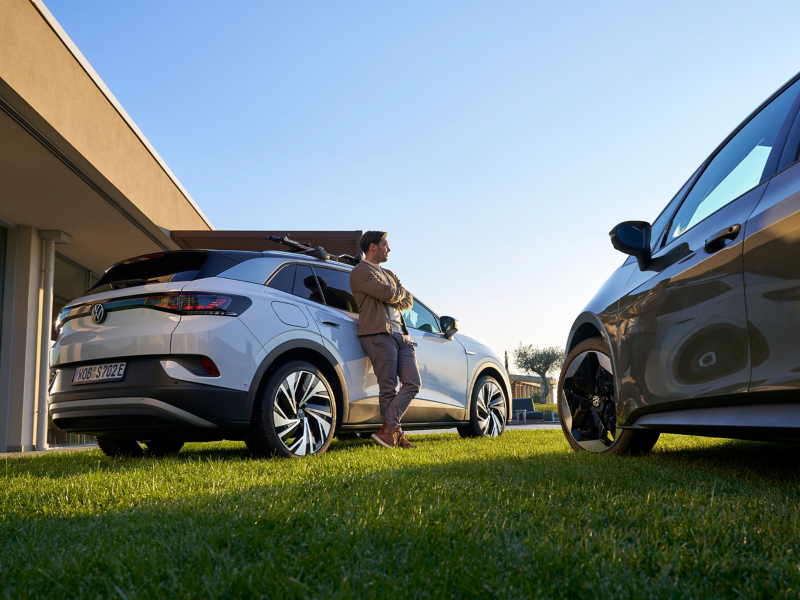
pixel 201 345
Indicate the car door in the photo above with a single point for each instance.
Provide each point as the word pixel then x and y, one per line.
pixel 682 326
pixel 442 367
pixel 772 279
pixel 335 310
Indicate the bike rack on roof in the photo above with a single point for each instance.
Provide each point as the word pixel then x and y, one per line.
pixel 318 252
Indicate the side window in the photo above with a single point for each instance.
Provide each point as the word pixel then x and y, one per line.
pixel 305 284
pixel 255 270
pixel 419 317
pixel 660 224
pixel 283 280
pixel 335 287
pixel 737 168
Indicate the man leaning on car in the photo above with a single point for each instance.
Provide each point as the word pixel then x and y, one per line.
pixel 384 337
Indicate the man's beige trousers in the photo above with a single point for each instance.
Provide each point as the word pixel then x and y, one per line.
pixel 393 357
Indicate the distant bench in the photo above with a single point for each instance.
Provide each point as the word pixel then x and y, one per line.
pixel 526 404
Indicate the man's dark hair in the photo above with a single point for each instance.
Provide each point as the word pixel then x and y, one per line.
pixel 370 237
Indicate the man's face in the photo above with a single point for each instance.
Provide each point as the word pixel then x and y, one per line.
pixel 382 250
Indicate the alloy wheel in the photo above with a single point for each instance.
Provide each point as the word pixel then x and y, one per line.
pixel 302 413
pixel 491 409
pixel 589 405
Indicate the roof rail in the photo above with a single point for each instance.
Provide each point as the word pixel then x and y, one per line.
pixel 318 252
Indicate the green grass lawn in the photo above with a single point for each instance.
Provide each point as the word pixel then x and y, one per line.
pixel 521 516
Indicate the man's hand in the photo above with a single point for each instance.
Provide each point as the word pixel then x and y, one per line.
pixel 404 303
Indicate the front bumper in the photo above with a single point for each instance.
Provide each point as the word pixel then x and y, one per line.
pixel 145 402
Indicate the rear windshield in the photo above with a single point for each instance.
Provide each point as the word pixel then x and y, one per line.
pixel 180 265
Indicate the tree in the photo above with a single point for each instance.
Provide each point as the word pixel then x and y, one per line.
pixel 541 361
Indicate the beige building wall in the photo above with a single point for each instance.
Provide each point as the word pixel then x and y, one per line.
pixel 38 65
pixel 72 164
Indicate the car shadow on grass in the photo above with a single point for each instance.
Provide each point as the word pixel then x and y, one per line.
pixel 483 516
pixel 746 459
pixel 743 459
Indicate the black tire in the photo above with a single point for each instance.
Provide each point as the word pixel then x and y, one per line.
pixel 281 423
pixel 488 410
pixel 588 417
pixel 163 447
pixel 118 448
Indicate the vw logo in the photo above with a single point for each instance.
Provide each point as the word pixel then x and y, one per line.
pixel 98 313
pixel 596 401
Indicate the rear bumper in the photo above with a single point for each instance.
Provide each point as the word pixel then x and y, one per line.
pixel 146 401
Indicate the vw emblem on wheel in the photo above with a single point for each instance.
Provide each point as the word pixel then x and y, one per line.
pixel 596 401
pixel 98 313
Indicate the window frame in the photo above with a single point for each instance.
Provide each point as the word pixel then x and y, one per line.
pixel 791 149
pixel 771 167
pixel 276 271
pixel 319 289
pixel 661 236
pixel 316 277
pixel 435 318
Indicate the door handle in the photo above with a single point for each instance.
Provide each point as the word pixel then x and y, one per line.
pixel 717 241
pixel 331 323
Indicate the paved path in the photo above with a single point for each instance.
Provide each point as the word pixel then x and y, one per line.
pixel 49 451
pixel 418 432
pixel 510 426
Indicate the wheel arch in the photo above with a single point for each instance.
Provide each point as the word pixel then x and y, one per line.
pixel 588 325
pixel 494 370
pixel 313 353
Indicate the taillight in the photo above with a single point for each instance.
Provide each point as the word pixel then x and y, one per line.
pixel 209 366
pixel 192 303
pixel 204 304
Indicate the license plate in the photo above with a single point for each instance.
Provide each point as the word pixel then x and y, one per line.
pixel 110 372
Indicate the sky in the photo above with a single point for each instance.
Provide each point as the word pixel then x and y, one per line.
pixel 497 142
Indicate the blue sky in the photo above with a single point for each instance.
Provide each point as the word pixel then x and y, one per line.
pixel 497 142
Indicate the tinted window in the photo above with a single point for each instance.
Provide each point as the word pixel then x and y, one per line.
pixel 256 270
pixel 305 284
pixel 737 168
pixel 284 279
pixel 181 265
pixel 335 286
pixel 419 317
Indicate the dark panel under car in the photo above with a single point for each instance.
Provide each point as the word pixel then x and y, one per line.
pixel 765 422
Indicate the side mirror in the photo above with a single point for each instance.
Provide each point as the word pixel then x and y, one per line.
pixel 633 237
pixel 449 326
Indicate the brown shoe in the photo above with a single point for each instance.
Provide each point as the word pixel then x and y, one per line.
pixel 385 436
pixel 402 441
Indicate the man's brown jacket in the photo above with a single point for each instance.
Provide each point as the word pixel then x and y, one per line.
pixel 371 293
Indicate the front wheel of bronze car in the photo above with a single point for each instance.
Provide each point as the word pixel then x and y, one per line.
pixel 488 411
pixel 587 404
pixel 295 415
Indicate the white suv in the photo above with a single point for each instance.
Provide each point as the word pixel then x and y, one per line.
pixel 204 345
